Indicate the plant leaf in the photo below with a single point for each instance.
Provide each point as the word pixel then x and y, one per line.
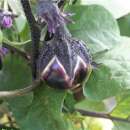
pixel 122 109
pixel 15 73
pixel 97 106
pixel 116 7
pixel 124 24
pixel 112 77
pixel 121 126
pixel 96 26
pixel 45 112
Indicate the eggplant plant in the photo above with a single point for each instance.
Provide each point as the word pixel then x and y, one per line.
pixel 64 65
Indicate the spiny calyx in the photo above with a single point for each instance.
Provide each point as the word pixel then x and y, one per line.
pixel 64 62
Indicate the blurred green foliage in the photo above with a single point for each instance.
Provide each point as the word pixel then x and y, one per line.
pixel 106 91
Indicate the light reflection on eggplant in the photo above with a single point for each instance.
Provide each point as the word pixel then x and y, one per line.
pixel 55 75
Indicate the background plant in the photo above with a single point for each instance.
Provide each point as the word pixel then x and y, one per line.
pixel 106 92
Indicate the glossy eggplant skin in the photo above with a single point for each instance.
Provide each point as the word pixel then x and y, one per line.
pixel 64 62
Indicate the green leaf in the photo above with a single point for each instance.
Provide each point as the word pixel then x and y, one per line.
pixel 124 24
pixel 19 106
pixel 96 26
pixel 69 102
pixel 121 126
pixel 91 105
pixel 16 7
pixel 25 33
pixel 116 7
pixel 101 85
pixel 44 108
pixel 45 112
pixel 122 109
pixel 77 2
pixel 20 23
pixel 112 76
pixel 15 73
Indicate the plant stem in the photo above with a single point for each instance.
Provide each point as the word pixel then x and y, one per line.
pixel 101 115
pixel 14 49
pixel 20 92
pixel 35 35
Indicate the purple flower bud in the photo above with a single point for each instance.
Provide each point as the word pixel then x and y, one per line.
pixel 49 12
pixel 6 18
pixel 64 62
pixel 7 21
pixel 3 51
